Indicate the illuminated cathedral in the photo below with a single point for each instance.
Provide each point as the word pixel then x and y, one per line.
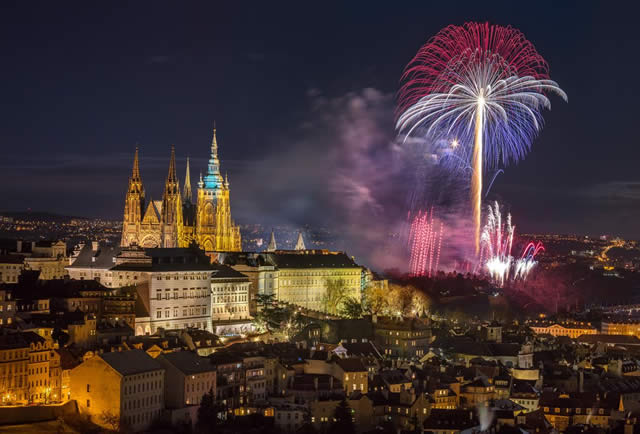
pixel 175 221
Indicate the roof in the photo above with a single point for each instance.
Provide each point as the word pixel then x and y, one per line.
pixel 104 257
pixel 189 363
pixel 307 259
pixel 351 365
pixel 610 339
pixel 226 272
pixel 440 419
pixel 13 340
pixel 11 259
pixel 131 362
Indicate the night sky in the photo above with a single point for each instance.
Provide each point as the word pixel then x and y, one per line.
pixel 82 85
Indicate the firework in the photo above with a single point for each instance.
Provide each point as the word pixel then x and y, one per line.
pixel 425 242
pixel 482 87
pixel 497 240
pixel 527 261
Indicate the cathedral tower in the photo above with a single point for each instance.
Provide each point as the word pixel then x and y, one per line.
pixel 133 206
pixel 215 231
pixel 172 226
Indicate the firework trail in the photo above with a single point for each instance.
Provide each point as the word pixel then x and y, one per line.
pixel 482 87
pixel 425 242
pixel 527 261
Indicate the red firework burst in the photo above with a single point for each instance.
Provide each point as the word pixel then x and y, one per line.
pixel 453 44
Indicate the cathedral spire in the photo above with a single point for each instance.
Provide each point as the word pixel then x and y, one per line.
pixel 271 247
pixel 213 179
pixel 187 184
pixel 172 177
pixel 300 242
pixel 135 175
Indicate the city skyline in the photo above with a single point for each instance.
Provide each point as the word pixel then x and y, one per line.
pixel 280 109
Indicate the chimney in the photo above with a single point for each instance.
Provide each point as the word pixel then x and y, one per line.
pixel 94 246
pixel 19 246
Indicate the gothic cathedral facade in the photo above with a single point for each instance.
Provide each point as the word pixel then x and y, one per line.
pixel 175 221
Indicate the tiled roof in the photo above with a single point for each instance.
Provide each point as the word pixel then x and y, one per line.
pixel 131 362
pixel 11 259
pixel 189 363
pixel 610 339
pixel 311 260
pixel 226 272
pixel 351 365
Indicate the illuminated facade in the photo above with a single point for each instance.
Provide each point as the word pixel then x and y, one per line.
pixel 175 221
pixel 570 329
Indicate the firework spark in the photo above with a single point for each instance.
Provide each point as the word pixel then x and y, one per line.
pixel 425 242
pixel 485 87
pixel 527 261
pixel 497 240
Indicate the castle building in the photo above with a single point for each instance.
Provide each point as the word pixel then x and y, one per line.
pixel 175 221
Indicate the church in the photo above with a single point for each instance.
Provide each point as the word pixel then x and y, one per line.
pixel 176 221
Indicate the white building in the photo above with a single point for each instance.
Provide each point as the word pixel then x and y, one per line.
pixel 173 284
pixel 229 294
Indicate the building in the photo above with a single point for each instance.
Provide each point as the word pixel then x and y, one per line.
pixel 262 275
pixel 620 327
pixel 230 294
pixel 172 285
pixel 7 308
pixel 14 368
pixel 353 375
pixel 570 329
pixel 175 221
pixel 188 377
pixel 11 267
pixel 404 338
pixel 49 258
pixel 119 389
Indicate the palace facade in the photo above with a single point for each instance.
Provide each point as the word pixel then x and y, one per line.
pixel 175 221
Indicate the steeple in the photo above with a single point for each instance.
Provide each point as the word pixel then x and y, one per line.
pixel 135 175
pixel 271 247
pixel 172 177
pixel 300 242
pixel 226 181
pixel 213 179
pixel 187 185
pixel 135 181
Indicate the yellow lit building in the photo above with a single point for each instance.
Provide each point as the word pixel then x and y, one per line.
pixel 48 257
pixel 570 329
pixel 175 221
pixel 14 363
pixel 630 328
pixel 119 389
pixel 306 276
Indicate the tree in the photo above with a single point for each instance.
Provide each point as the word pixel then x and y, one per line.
pixel 269 316
pixel 343 417
pixel 399 299
pixel 420 303
pixel 375 299
pixel 111 420
pixel 334 295
pixel 208 412
pixel 351 308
